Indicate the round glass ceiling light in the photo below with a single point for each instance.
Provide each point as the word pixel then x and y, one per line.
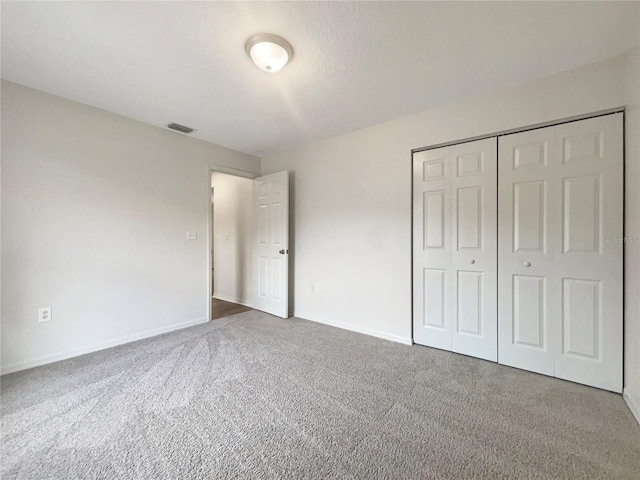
pixel 269 52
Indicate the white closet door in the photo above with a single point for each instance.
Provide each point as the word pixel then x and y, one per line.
pixel 588 255
pixel 432 247
pixel 474 243
pixel 560 251
pixel 525 250
pixel 455 248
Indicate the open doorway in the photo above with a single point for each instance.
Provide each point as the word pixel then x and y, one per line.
pixel 231 227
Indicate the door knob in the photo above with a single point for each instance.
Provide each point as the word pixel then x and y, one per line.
pixel 281 252
pixel 527 264
pixel 472 261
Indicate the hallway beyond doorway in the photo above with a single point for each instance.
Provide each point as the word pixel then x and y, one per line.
pixel 221 308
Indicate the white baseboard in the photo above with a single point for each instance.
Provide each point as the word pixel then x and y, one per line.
pixel 633 405
pixel 75 352
pixel 227 298
pixel 354 328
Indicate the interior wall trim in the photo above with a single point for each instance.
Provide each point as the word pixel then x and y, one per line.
pixel 347 326
pixel 76 352
pixel 632 404
pixel 228 298
pixel 551 123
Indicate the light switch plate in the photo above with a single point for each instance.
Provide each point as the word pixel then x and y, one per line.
pixel 192 235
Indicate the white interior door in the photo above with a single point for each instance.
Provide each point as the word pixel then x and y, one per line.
pixel 560 251
pixel 525 250
pixel 271 258
pixel 455 248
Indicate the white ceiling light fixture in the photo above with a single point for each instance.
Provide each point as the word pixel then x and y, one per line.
pixel 269 52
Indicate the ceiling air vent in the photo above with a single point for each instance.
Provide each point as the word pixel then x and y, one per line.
pixel 180 128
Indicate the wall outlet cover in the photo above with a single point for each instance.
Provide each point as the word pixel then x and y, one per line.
pixel 44 314
pixel 192 235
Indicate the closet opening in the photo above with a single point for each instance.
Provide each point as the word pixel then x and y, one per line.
pixel 512 260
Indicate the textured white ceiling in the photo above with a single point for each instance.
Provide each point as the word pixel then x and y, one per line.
pixel 355 64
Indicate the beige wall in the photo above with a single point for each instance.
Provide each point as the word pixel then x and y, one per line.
pixel 352 195
pixel 95 209
pixel 632 232
pixel 232 227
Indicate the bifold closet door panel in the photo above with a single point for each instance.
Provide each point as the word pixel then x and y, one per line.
pixel 525 250
pixel 432 247
pixel 455 248
pixel 588 229
pixel 474 314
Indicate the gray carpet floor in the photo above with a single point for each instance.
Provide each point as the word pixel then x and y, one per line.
pixel 253 396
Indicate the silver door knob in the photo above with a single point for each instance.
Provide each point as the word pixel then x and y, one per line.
pixel 472 261
pixel 281 252
pixel 527 264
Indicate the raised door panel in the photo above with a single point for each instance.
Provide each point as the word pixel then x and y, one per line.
pixel 434 226
pixel 525 250
pixel 434 298
pixel 471 162
pixel 581 318
pixel 532 154
pixel 433 169
pixel 469 318
pixel 469 218
pixel 277 272
pixel 530 311
pixel 264 239
pixel 529 206
pixel 276 225
pixel 263 277
pixel 581 214
pixel 263 224
pixel 582 146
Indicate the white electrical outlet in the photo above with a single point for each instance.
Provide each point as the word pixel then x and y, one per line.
pixel 313 288
pixel 191 235
pixel 44 314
